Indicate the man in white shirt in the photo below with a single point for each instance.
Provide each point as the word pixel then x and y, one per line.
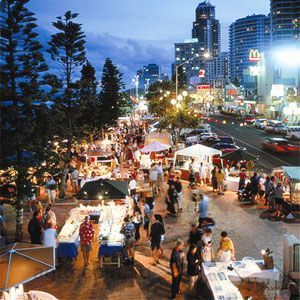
pixel 153 176
pixel 74 180
pixel 202 174
pixel 83 180
pixel 160 176
pixel 132 187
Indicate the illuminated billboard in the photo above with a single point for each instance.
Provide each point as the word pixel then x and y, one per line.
pixel 254 55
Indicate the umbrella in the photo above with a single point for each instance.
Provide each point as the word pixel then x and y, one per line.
pixel 155 147
pixel 107 189
pixel 238 155
pixel 21 263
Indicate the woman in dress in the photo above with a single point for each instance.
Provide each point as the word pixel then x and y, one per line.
pixel 214 181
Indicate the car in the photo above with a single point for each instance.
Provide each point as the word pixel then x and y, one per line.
pixel 221 146
pixel 260 123
pixel 205 136
pixel 249 119
pixel 275 127
pixel 280 145
pixel 293 132
pixel 192 140
pixel 226 139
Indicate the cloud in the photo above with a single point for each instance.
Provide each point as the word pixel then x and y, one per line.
pixel 128 54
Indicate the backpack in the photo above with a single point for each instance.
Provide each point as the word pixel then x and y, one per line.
pixel 128 231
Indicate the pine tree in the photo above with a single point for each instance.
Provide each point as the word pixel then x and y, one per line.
pixel 111 93
pixel 22 64
pixel 90 105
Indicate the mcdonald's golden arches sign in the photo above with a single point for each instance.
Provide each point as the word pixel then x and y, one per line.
pixel 254 55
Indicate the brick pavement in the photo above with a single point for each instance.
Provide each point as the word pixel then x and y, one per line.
pixel 145 281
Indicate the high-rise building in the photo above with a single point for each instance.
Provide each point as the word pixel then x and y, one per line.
pixel 251 32
pixel 285 22
pixel 207 29
pixel 185 54
pixel 147 76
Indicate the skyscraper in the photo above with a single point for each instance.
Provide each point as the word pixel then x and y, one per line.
pixel 251 32
pixel 206 28
pixel 285 22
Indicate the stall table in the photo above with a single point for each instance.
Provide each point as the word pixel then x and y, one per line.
pixel 219 277
pixel 110 250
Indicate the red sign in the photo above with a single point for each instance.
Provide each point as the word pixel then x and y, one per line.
pixel 202 73
pixel 203 87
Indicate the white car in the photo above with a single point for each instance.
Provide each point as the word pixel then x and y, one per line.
pixel 260 123
pixel 192 140
pixel 293 132
pixel 205 136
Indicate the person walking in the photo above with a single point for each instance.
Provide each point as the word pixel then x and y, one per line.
pixel 178 188
pixel 202 174
pixel 50 186
pixel 137 221
pixel 129 233
pixel 74 181
pixel 226 250
pixel 86 234
pixel 254 187
pixel 195 236
pixel 207 246
pixel 214 180
pixel 242 179
pixel 172 199
pixel 160 176
pixel 35 229
pixel 153 176
pixel 132 187
pixel 278 195
pixel 202 209
pixel 50 216
pixel 193 267
pixel 176 265
pixel 146 219
pixel 220 180
pixel 157 230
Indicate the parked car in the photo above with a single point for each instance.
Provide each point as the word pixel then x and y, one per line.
pixel 226 139
pixel 275 127
pixel 221 146
pixel 260 123
pixel 249 119
pixel 280 145
pixel 192 140
pixel 293 132
pixel 205 136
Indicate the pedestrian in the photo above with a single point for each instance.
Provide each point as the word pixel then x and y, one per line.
pixel 254 187
pixel 30 196
pixel 86 234
pixel 208 173
pixel 192 166
pixel 176 265
pixel 157 230
pixel 132 187
pixel 50 216
pixel 261 189
pixel 153 176
pixel 35 229
pixel 172 199
pixel 193 267
pixel 202 174
pixel 129 233
pixel 242 181
pixel 214 180
pixel 226 250
pixel 161 254
pixel 220 180
pixel 50 186
pixel 207 246
pixel 74 181
pixel 137 221
pixel 160 176
pixel 195 236
pixel 202 209
pixel 146 219
pixel 50 235
pixel 178 188
pixel 278 195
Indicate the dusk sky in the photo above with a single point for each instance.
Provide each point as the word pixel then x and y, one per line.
pixel 137 32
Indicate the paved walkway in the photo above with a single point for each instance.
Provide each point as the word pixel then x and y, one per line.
pixel 145 281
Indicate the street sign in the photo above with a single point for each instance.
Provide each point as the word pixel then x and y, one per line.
pixel 203 87
pixel 202 73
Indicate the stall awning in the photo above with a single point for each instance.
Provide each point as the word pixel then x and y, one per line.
pixel 197 151
pixel 293 173
pixel 155 147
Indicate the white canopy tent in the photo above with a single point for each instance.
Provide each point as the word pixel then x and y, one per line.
pixel 201 152
pixel 155 147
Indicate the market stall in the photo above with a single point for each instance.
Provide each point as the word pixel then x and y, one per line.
pixel 99 157
pixel 161 137
pixel 21 263
pixel 221 275
pixel 199 153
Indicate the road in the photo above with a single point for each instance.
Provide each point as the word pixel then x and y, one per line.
pixel 251 138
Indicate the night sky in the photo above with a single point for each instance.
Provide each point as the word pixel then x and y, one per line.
pixel 137 32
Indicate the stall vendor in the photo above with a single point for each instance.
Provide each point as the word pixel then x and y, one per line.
pixel 226 251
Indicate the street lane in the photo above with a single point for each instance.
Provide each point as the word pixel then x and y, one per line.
pixel 251 138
